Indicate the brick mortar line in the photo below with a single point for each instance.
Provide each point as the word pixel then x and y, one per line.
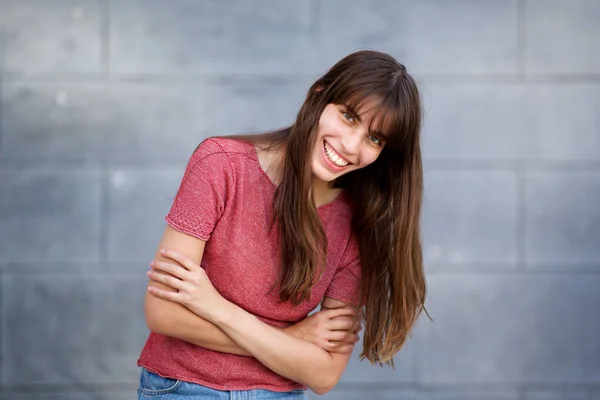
pixel 415 350
pixel 472 386
pixel 177 163
pixel 176 79
pixel 521 38
pixel 1 115
pixel 299 77
pixel 479 269
pixel 521 225
pixel 314 26
pixel 2 332
pixel 2 311
pixel 526 388
pixel 104 216
pixel 66 388
pixel 113 268
pixel 105 38
pixel 513 165
pixel 92 273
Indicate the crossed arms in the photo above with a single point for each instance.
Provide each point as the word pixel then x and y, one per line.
pixel 313 352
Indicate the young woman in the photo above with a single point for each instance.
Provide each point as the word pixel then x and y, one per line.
pixel 265 228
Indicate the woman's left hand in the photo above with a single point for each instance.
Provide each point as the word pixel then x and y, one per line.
pixel 194 289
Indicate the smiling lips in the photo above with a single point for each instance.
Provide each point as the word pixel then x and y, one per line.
pixel 333 156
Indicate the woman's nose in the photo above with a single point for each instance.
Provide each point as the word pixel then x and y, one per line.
pixel 351 142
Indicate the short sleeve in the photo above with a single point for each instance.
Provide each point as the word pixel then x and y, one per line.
pixel 203 191
pixel 345 285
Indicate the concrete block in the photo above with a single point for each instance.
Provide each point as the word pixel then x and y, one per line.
pixel 510 329
pixel 62 36
pixel 118 122
pixel 185 36
pixel 511 121
pixel 434 37
pixel 469 217
pixel 50 216
pixel 73 329
pixel 562 36
pixel 139 202
pixel 562 219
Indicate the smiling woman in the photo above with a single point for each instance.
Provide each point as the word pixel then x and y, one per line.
pixel 264 228
pixel 344 142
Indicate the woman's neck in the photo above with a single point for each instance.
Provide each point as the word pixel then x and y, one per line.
pixel 271 161
pixel 324 192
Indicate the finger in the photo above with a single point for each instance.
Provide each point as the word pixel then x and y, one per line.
pixel 173 282
pixel 337 336
pixel 346 324
pixel 342 336
pixel 347 311
pixel 165 294
pixel 339 347
pixel 186 262
pixel 172 269
pixel 357 326
pixel 341 325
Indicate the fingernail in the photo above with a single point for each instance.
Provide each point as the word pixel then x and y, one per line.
pixel 152 263
pixel 149 273
pixel 162 251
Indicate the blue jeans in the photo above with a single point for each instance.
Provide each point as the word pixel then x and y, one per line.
pixel 155 387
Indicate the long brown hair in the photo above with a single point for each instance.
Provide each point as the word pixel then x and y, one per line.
pixel 386 195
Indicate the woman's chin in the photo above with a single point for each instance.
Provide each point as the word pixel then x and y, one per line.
pixel 326 175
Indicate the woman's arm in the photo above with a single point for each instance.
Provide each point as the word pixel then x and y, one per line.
pixel 295 359
pixel 174 320
pixel 288 356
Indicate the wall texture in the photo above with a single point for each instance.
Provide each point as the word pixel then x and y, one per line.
pixel 103 101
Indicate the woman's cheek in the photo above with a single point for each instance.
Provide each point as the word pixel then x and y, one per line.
pixel 373 157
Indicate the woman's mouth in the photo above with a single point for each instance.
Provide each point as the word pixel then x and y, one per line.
pixel 334 157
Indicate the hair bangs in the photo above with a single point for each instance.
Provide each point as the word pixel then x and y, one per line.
pixel 389 119
pixel 386 106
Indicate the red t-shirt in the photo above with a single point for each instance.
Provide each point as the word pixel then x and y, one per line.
pixel 225 198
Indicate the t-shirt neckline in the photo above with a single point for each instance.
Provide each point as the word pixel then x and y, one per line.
pixel 268 178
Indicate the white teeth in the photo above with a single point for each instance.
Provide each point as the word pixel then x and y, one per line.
pixel 333 157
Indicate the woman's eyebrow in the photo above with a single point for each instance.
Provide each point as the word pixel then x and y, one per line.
pixel 353 111
pixel 350 108
pixel 380 134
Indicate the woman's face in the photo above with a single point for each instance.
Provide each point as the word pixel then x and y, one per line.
pixel 344 142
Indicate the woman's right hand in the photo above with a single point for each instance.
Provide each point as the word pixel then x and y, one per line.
pixel 334 330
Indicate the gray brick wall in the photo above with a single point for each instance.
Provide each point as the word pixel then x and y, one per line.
pixel 103 101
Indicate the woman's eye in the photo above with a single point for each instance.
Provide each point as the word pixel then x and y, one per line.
pixel 349 117
pixel 375 140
